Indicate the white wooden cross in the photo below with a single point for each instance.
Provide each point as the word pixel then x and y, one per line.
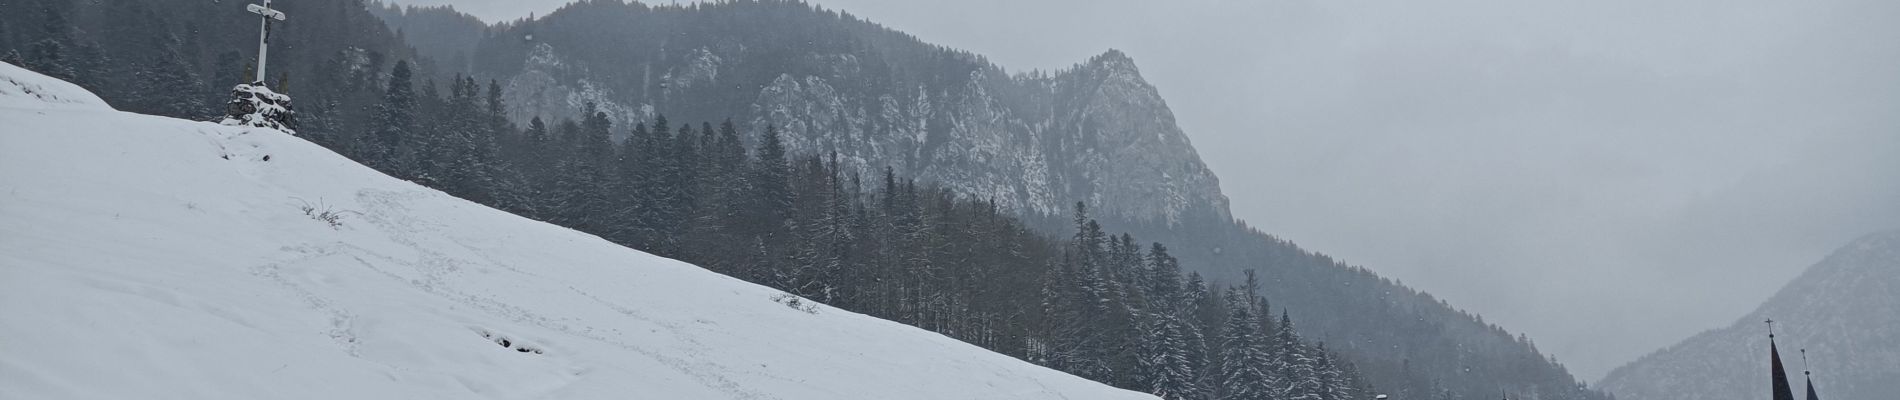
pixel 263 37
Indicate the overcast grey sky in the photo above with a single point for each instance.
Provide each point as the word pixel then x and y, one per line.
pixel 1609 177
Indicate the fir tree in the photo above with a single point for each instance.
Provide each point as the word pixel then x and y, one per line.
pixel 1244 358
pixel 1295 365
pixel 1166 367
pixel 771 190
pixel 393 126
pixel 1333 384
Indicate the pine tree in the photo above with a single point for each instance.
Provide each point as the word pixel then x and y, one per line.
pixel 772 193
pixel 1204 314
pixel 507 184
pixel 665 193
pixel 636 191
pixel 1298 377
pixel 560 188
pixel 1165 368
pixel 531 157
pixel 462 155
pixel 1163 280
pixel 730 185
pixel 1069 339
pixel 388 147
pixel 683 175
pixel 1333 384
pixel 585 206
pixel 1244 358
pixel 497 109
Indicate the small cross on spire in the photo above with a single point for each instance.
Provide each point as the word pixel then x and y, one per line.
pixel 1804 362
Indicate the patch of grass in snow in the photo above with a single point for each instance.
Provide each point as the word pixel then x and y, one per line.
pixel 323 212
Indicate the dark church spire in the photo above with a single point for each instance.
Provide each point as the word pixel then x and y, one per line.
pixel 1778 375
pixel 1806 375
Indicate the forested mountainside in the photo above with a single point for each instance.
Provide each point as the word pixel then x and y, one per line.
pixel 1844 310
pixel 879 98
pixel 1097 132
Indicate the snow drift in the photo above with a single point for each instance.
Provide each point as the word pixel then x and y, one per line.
pixel 147 257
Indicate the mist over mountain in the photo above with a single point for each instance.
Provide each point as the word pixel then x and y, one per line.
pixel 1844 310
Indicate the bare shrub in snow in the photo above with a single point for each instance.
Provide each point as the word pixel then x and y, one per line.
pixel 323 212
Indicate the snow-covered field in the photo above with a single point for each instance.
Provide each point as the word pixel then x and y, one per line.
pixel 154 258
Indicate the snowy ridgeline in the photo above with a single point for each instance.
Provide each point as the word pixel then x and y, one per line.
pixel 146 257
pixel 1844 310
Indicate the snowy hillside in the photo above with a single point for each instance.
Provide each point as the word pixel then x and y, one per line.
pixel 146 257
pixel 1845 311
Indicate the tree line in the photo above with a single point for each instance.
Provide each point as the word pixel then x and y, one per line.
pixel 1100 306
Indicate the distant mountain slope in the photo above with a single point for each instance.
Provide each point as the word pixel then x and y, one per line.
pixel 1036 143
pixel 1844 310
pixel 149 257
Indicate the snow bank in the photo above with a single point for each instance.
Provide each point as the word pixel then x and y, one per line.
pixel 155 258
pixel 20 88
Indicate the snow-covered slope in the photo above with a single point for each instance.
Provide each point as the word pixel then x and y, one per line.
pixel 1845 311
pixel 146 257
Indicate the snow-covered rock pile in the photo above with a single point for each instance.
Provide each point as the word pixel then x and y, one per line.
pixel 155 258
pixel 253 104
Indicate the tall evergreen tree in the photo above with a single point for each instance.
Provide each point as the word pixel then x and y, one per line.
pixel 389 146
pixel 1245 358
pixel 770 177
pixel 1295 364
pixel 582 186
pixel 1166 367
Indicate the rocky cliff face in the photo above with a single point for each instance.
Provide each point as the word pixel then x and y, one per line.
pixel 1845 311
pixel 1097 133
pixel 1036 143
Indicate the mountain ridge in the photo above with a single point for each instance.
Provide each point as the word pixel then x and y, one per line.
pixel 1843 308
pixel 1034 142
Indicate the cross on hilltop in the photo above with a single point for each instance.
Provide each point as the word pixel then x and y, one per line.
pixel 266 14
